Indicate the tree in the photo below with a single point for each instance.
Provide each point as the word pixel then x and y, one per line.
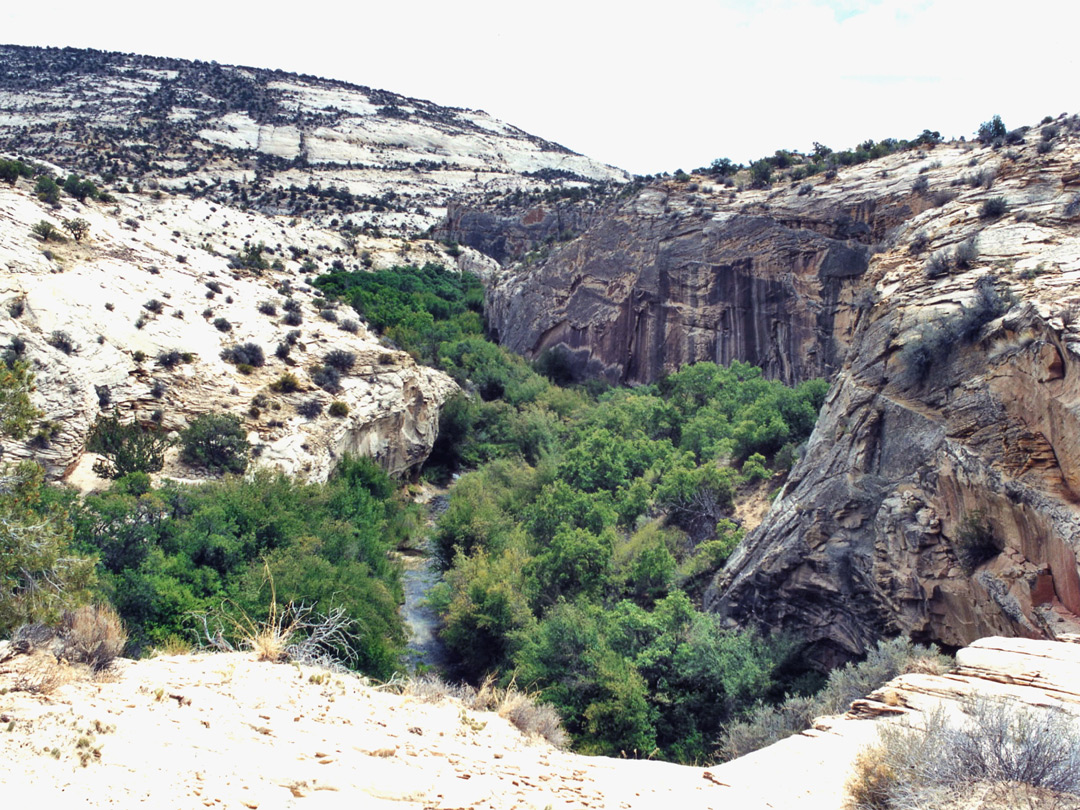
pixel 125 448
pixel 80 189
pixel 761 173
pixel 47 190
pixel 723 167
pixel 40 575
pixel 12 170
pixel 992 130
pixel 217 441
pixel 46 231
pixel 16 411
pixel 78 228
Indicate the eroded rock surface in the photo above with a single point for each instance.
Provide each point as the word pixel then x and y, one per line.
pixel 904 473
pixel 683 272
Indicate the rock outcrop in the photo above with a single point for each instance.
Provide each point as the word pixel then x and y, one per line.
pixel 149 280
pixel 938 497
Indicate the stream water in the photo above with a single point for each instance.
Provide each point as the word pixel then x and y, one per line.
pixel 420 575
pixel 424 647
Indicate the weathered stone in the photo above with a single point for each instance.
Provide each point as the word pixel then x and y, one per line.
pixel 989 440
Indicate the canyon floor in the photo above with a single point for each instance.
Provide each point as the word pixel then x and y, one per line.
pixel 225 730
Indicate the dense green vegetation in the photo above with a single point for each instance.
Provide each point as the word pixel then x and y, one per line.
pixel 416 308
pixel 569 553
pixel 169 555
pixel 574 545
pixel 590 517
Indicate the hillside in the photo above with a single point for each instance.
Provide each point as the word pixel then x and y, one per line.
pixel 274 142
pixel 100 293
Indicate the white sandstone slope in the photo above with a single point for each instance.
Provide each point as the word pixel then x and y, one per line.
pixel 141 249
pixel 223 730
pixel 241 134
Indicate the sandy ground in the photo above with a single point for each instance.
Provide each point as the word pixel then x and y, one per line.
pixel 223 730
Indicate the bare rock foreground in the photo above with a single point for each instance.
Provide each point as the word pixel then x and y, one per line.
pixel 223 730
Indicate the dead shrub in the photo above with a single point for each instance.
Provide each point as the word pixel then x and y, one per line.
pixel 92 635
pixel 40 673
pixel 523 709
pixel 999 742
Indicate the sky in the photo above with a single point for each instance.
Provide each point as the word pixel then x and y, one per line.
pixel 647 86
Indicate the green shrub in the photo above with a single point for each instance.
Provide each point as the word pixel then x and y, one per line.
pixel 285 384
pixel 126 448
pixel 338 409
pixel 976 541
pixel 217 442
pixel 993 208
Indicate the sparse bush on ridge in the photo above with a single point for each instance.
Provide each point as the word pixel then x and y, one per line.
pixel 936 341
pixel 246 354
pixel 997 742
pixel 764 724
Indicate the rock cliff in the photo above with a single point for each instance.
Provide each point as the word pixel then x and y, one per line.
pixel 680 272
pixel 938 495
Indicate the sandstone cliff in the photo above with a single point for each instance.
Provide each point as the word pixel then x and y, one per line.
pixel 938 496
pixel 681 272
pixel 149 279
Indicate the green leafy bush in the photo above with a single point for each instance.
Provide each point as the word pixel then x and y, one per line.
pixel 215 441
pixel 126 448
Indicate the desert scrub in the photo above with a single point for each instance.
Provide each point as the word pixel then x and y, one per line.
pixel 765 724
pixel 993 743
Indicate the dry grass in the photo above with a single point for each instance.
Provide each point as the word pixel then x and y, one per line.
pixel 92 635
pixel 41 674
pixel 295 632
pixel 523 709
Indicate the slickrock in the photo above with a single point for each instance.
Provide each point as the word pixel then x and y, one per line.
pixel 277 142
pixel 225 730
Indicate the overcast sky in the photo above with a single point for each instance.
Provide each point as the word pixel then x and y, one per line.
pixel 647 86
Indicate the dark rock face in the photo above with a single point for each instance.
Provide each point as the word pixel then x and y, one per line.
pixel 507 232
pixel 867 538
pixel 648 289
